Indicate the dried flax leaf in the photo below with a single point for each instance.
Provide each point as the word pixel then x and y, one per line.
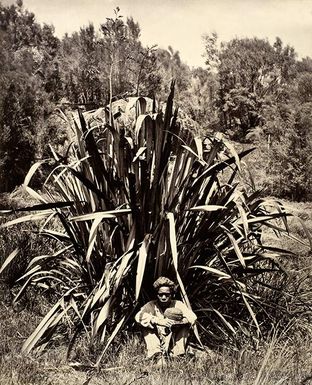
pixel 264 218
pixel 173 240
pixel 62 237
pixel 32 171
pixel 102 317
pixel 102 293
pixel 43 257
pixel 92 236
pixel 199 145
pixel 123 262
pixel 111 338
pixel 207 208
pixel 226 323
pixel 41 328
pixel 244 218
pixel 100 214
pixel 251 312
pixel 212 270
pixel 35 195
pixel 9 259
pixel 143 251
pixel 233 152
pixel 307 231
pixel 235 246
pixel 31 217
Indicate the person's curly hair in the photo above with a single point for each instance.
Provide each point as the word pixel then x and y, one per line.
pixel 164 281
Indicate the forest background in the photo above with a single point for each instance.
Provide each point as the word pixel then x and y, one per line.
pixel 255 92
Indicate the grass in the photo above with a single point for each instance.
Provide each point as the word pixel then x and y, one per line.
pixel 275 362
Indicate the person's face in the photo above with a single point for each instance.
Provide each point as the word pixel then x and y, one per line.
pixel 164 295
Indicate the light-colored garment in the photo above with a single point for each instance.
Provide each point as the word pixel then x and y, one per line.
pixel 157 338
pixel 172 344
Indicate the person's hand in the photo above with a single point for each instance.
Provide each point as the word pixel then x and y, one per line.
pixel 166 322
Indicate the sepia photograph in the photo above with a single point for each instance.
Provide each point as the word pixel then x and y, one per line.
pixel 155 192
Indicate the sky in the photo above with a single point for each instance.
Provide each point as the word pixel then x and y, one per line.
pixel 181 23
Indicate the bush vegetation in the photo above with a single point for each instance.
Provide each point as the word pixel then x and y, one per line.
pixel 253 91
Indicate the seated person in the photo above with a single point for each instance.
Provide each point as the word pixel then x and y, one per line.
pixel 166 322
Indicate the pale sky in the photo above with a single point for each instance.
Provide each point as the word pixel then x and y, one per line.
pixel 181 23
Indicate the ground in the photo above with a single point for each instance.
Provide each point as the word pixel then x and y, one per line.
pixel 286 361
pixel 274 363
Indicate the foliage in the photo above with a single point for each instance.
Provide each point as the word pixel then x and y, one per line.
pixel 38 72
pixel 198 101
pixel 250 71
pixel 246 85
pixel 211 54
pixel 169 67
pixel 284 146
pixel 27 49
pixel 299 153
pixel 94 65
pixel 263 92
pixel 305 87
pixel 146 200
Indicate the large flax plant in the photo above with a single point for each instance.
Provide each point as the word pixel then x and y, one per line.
pixel 145 199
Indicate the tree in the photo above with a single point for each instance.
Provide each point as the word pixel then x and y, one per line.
pixel 169 66
pixel 250 71
pixel 304 87
pixel 299 171
pixel 27 50
pixel 304 65
pixel 198 101
pixel 211 53
pixel 131 66
pixel 96 65
pixel 79 61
